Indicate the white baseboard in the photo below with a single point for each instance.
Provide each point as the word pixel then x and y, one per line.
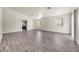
pixel 4 32
pixel 11 32
pixel 14 31
pixel 53 31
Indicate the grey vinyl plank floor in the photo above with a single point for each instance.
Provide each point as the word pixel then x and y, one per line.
pixel 37 41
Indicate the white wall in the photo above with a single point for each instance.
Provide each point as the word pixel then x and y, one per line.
pixel 12 21
pixel 36 24
pixel 76 28
pixel 72 25
pixel 30 24
pixel 0 24
pixel 50 25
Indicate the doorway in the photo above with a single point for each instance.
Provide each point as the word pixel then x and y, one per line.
pixel 24 25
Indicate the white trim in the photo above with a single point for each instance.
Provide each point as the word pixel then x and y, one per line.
pixel 54 31
pixel 11 32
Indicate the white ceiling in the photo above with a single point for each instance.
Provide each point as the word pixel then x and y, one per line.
pixel 40 12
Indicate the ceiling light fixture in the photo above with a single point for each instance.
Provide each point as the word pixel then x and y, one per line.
pixel 48 7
